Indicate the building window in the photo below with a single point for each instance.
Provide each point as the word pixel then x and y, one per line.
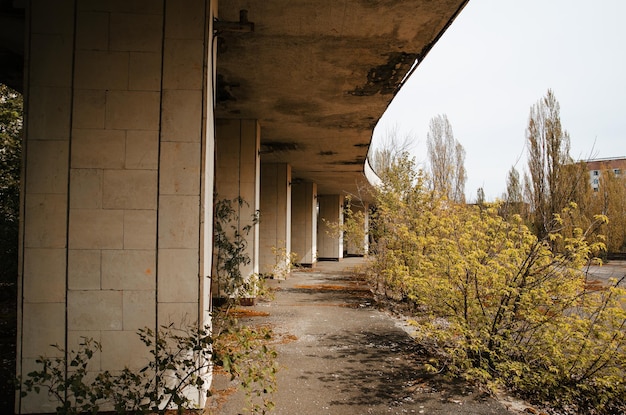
pixel 596 173
pixel 595 181
pixel 617 172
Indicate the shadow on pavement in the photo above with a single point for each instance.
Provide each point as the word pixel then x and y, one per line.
pixel 347 357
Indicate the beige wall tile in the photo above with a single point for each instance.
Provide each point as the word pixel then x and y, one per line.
pixel 94 310
pixel 49 113
pixel 237 141
pixel 44 324
pixel 101 70
pixel 303 222
pixel 183 64
pixel 123 6
pixel 122 349
pixel 51 60
pixel 180 168
pixel 129 189
pixel 135 32
pixel 35 403
pixel 140 227
pixel 329 245
pixel 142 150
pixel 76 341
pixel 182 20
pixel 44 275
pixel 45 221
pixel 128 270
pixel 96 229
pixel 145 71
pixel 47 165
pixel 83 269
pixel 89 108
pixel 248 167
pixel 139 309
pixel 228 127
pixel 86 188
pixel 52 17
pixel 179 314
pixel 179 222
pixel 182 116
pixel 132 110
pixel 99 149
pixel 92 30
pixel 275 210
pixel 178 275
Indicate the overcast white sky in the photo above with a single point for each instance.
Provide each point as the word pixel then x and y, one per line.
pixel 498 58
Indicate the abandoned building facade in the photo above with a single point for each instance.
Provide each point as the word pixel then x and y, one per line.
pixel 139 113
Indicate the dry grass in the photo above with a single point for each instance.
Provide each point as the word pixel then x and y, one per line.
pixel 242 312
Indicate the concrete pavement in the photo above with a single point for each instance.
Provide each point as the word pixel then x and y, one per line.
pixel 340 355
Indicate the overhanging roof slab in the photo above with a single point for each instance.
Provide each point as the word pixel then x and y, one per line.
pixel 319 74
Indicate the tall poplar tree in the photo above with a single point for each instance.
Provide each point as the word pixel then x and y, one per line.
pixel 446 160
pixel 552 180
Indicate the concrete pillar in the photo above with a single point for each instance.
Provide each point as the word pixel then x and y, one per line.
pixel 42 284
pixel 357 241
pixel 304 222
pixel 238 176
pixel 275 215
pixel 329 240
pixel 116 159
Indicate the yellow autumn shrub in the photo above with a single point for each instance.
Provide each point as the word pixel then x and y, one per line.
pixel 499 306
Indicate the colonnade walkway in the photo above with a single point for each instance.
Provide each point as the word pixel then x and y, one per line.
pixel 338 354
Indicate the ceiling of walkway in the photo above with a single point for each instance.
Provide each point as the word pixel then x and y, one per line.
pixel 318 75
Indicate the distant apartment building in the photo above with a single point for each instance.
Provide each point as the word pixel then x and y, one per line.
pixel 616 165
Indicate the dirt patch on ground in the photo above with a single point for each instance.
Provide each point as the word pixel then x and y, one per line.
pixel 246 312
pixel 328 287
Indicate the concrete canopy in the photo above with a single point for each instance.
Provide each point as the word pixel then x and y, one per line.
pixel 318 75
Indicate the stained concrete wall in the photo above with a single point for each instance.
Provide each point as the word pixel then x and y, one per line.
pixel 275 215
pixel 116 160
pixel 304 222
pixel 329 240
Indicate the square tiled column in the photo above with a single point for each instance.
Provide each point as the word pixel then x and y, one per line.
pixel 304 222
pixel 238 176
pixel 275 214
pixel 330 242
pixel 118 149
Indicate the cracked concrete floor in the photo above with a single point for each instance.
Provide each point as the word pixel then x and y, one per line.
pixel 340 355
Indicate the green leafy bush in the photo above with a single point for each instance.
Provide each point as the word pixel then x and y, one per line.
pixel 181 359
pixel 244 352
pixel 231 248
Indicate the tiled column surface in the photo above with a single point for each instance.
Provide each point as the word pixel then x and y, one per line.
pixel 41 319
pixel 304 222
pixel 275 214
pixel 207 178
pixel 112 258
pixel 353 245
pixel 238 175
pixel 329 244
pixel 113 176
pixel 181 162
